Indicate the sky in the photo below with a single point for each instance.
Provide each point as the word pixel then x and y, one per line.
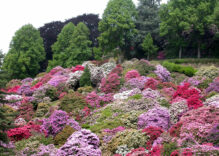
pixel 16 13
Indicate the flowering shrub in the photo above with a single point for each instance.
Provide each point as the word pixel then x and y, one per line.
pixel 24 132
pixel 149 93
pixel 213 135
pixel 161 55
pixel 162 73
pixel 37 85
pixel 117 70
pixel 27 80
pixel 56 122
pixel 138 82
pixel 81 143
pixel 131 74
pixel 26 110
pixel 199 122
pixel 151 83
pixel 14 89
pixel 107 68
pixel 193 81
pixel 20 122
pixel 208 72
pixel 57 80
pixel 158 117
pixel 213 101
pixel 175 129
pixel 192 95
pixel 25 89
pixel 154 133
pixel 110 84
pixel 13 83
pixel 214 86
pixel 78 68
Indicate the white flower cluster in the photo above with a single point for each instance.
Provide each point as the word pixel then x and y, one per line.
pixel 74 78
pixel 212 101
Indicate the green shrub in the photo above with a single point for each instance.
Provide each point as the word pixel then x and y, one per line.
pixel 164 103
pixel 33 141
pixel 131 137
pixel 211 94
pixel 168 148
pixel 52 93
pixel 143 68
pixel 73 102
pixel 84 90
pixel 42 109
pixel 62 136
pixel 204 84
pixel 136 97
pixel 172 67
pixel 85 78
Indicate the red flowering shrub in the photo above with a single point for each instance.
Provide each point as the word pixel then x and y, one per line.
pixel 191 95
pixel 110 84
pixel 24 132
pixel 187 152
pixel 138 152
pixel 131 74
pixel 151 83
pixel 93 99
pixel 26 110
pixel 14 89
pixel 156 151
pixel 175 153
pixel 36 85
pixel 117 70
pixel 62 95
pixel 78 68
pixel 45 78
pixel 154 133
pixel 161 55
pixel 175 129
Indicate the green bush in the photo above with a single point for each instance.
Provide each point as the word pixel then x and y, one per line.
pixel 42 109
pixel 84 90
pixel 196 61
pixel 168 148
pixel 62 136
pixel 73 102
pixel 136 97
pixel 52 93
pixel 172 67
pixel 164 103
pixel 85 78
pixel 204 84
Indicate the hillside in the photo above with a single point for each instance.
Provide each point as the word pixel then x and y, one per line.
pixel 137 108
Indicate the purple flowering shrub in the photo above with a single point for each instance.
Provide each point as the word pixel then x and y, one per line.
pixel 94 100
pixel 138 82
pixel 214 86
pixel 162 73
pixel 81 143
pixel 25 89
pixel 158 117
pixel 213 135
pixel 56 122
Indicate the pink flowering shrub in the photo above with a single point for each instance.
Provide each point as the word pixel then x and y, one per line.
pixel 95 100
pixel 117 70
pixel 57 80
pixel 151 83
pixel 38 85
pixel 199 122
pixel 131 74
pixel 110 84
pixel 162 73
pixel 158 117
pixel 14 89
pixel 138 82
pixel 55 70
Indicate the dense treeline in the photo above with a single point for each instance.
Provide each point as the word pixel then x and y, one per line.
pixel 178 29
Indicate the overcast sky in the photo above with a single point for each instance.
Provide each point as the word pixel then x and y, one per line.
pixel 16 13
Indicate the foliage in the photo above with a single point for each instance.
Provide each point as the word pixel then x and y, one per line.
pixel 148 46
pixel 25 54
pixel 62 136
pixel 79 49
pixel 73 102
pixel 187 70
pixel 85 78
pixel 42 109
pixel 86 89
pixel 26 110
pixel 117 26
pixel 169 148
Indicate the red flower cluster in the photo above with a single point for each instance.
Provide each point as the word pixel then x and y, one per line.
pixel 175 129
pixel 138 151
pixel 191 95
pixel 154 133
pixel 110 84
pixel 36 85
pixel 14 89
pixel 24 132
pixel 78 68
pixel 151 83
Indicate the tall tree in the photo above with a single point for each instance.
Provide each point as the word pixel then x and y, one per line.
pixel 59 48
pixel 216 14
pixel 117 26
pixel 173 25
pixel 25 53
pixel 79 49
pixel 148 19
pixel 4 76
pixel 148 46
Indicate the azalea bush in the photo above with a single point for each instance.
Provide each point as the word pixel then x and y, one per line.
pixel 110 84
pixel 131 74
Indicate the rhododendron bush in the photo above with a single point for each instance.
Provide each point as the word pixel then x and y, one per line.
pixel 132 109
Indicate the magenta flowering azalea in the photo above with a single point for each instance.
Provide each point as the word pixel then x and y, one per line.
pixel 131 74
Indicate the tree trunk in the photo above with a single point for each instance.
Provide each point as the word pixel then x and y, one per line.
pixel 180 52
pixel 199 52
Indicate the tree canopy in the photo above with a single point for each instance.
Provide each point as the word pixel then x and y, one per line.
pixel 25 53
